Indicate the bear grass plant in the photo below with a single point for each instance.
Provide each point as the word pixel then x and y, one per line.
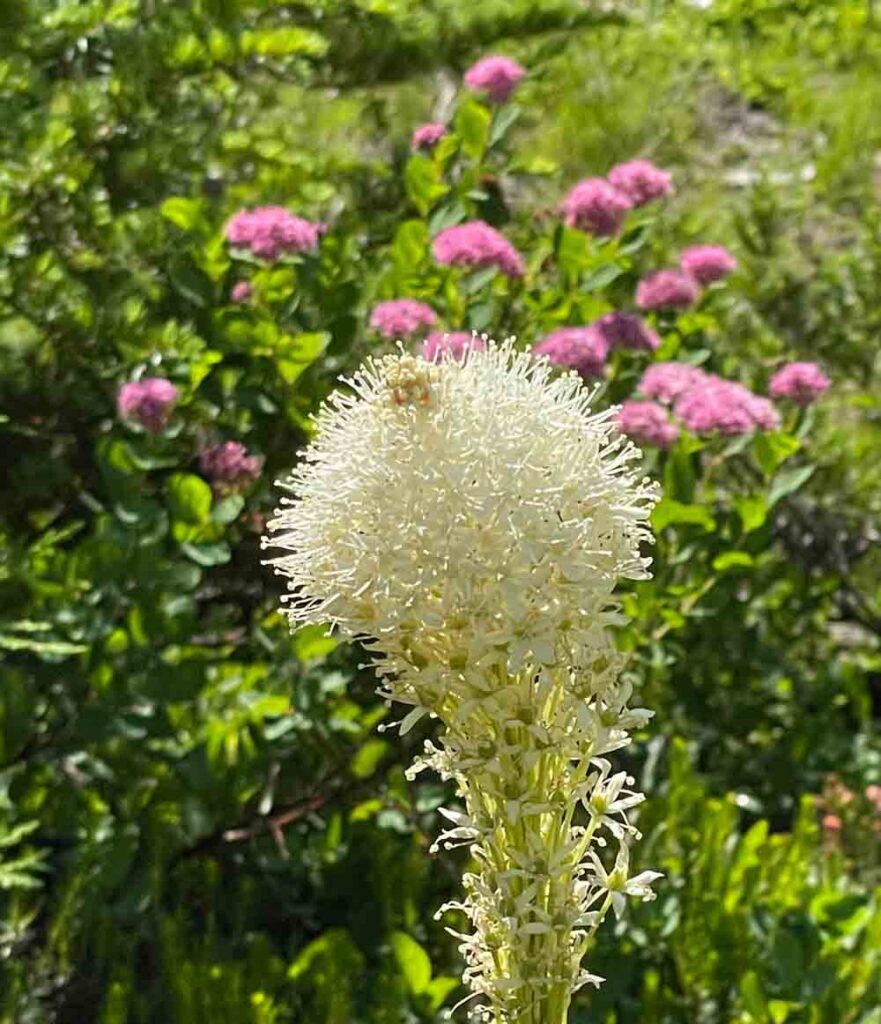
pixel 468 519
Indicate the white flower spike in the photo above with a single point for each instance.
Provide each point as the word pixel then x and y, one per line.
pixel 469 520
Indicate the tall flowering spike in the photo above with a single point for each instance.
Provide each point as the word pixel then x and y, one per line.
pixel 469 520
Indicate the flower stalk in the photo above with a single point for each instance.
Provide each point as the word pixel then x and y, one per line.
pixel 468 520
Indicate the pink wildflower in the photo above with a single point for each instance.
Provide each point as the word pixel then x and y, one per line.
pixel 595 206
pixel 665 382
pixel 647 423
pixel 271 231
pixel 873 794
pixel 802 382
pixel 495 76
pixel 707 263
pixel 476 244
pixel 667 289
pixel 451 345
pixel 241 291
pixel 228 465
pixel 714 405
pixel 641 181
pixel 624 330
pixel 149 401
pixel 580 348
pixel 400 317
pixel 831 822
pixel 427 136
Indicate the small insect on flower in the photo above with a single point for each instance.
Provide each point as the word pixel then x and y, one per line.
pixel 468 520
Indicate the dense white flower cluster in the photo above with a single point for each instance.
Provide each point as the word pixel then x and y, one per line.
pixel 468 520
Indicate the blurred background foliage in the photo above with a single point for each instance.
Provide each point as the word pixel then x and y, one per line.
pixel 198 818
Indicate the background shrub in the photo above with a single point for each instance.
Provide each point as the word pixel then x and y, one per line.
pixel 198 817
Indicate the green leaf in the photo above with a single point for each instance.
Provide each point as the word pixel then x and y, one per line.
pixel 228 510
pixel 410 247
pixel 753 511
pixel 183 213
pixel 189 498
pixel 787 482
pixel 668 512
pixel 472 125
pixel 207 554
pixel 412 960
pixel 505 118
pixel 602 277
pixel 753 998
pixel 189 282
pixel 733 560
pixel 439 988
pixel 312 643
pixel 49 648
pixel 770 450
pixel 368 758
pixel 422 178
pixel 285 42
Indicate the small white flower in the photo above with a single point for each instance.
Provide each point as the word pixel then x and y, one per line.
pixel 618 883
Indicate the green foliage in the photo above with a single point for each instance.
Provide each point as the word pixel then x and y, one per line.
pixel 198 818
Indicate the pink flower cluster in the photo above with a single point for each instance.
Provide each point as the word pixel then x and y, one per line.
pixel 400 317
pixel 149 401
pixel 598 205
pixel 801 382
pixel 725 407
pixel 665 382
pixel 707 263
pixel 580 348
pixel 595 206
pixel 272 231
pixel 706 403
pixel 476 244
pixel 667 289
pixel 241 291
pixel 647 423
pixel 454 345
pixel 498 77
pixel 625 330
pixel 427 136
pixel 229 466
pixel 641 181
